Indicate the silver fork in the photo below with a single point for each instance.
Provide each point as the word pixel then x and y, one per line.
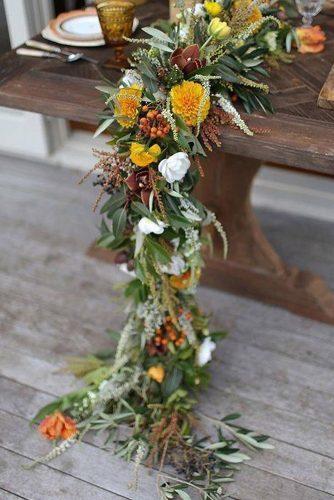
pixel 57 50
pixel 42 53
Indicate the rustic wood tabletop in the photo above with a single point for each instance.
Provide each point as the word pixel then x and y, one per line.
pixel 299 134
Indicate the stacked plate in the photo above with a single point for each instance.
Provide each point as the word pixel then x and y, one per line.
pixel 78 28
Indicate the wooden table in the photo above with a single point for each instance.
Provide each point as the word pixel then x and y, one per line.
pixel 299 135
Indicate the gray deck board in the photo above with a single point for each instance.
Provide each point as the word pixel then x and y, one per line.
pixel 275 368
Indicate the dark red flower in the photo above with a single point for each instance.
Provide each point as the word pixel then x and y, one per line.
pixel 138 183
pixel 188 59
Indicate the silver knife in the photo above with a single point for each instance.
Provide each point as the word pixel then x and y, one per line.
pixel 58 50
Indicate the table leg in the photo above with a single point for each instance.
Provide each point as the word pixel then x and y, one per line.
pixel 253 268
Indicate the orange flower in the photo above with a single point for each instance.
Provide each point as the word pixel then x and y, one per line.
pixel 127 104
pixel 57 426
pixel 156 373
pixel 190 102
pixel 184 280
pixel 311 39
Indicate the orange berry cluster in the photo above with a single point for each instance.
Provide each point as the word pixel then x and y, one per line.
pixel 164 334
pixel 169 333
pixel 153 124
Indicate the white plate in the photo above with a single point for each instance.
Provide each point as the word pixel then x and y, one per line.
pixel 82 26
pixel 48 34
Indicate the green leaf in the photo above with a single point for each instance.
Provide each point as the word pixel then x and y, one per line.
pixel 115 201
pixel 216 446
pixel 218 335
pixel 106 240
pixel 119 222
pixel 231 416
pixel 106 89
pixel 157 34
pixel 182 494
pixel 158 45
pixel 141 209
pixel 171 382
pixel 233 458
pixel 178 221
pixel 157 251
pixel 104 125
pixel 136 290
pixel 47 410
pixel 63 404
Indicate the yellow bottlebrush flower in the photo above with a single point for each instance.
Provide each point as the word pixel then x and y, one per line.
pixel 156 373
pixel 218 29
pixel 213 8
pixel 127 103
pixel 255 14
pixel 142 156
pixel 186 100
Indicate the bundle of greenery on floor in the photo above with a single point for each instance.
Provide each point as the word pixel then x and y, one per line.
pixel 163 116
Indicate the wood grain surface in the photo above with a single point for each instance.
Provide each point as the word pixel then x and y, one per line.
pixel 274 367
pixel 299 134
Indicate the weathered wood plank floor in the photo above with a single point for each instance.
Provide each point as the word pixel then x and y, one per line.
pixel 275 368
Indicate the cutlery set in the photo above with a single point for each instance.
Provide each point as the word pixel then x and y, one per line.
pixel 41 49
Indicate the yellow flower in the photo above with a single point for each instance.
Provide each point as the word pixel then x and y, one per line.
pixel 212 8
pixel 218 29
pixel 187 102
pixel 255 14
pixel 127 103
pixel 156 373
pixel 142 156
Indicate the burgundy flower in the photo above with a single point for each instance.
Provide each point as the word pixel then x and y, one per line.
pixel 187 60
pixel 138 183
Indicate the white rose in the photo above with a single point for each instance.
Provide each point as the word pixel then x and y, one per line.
pixel 175 267
pixel 204 351
pixel 147 226
pixel 175 167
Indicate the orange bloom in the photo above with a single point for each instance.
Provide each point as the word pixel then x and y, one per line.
pixel 156 373
pixel 127 104
pixel 311 39
pixel 189 101
pixel 57 426
pixel 184 280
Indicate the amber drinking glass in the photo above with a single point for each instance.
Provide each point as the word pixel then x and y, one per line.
pixel 116 19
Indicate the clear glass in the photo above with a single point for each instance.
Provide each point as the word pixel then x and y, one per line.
pixel 308 9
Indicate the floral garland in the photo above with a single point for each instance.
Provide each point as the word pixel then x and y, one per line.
pixel 165 113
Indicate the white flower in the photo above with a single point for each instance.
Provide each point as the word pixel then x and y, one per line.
pixel 175 167
pixel 204 351
pixel 147 226
pixel 271 40
pixel 176 266
pixel 183 31
pixel 131 77
pixel 199 10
